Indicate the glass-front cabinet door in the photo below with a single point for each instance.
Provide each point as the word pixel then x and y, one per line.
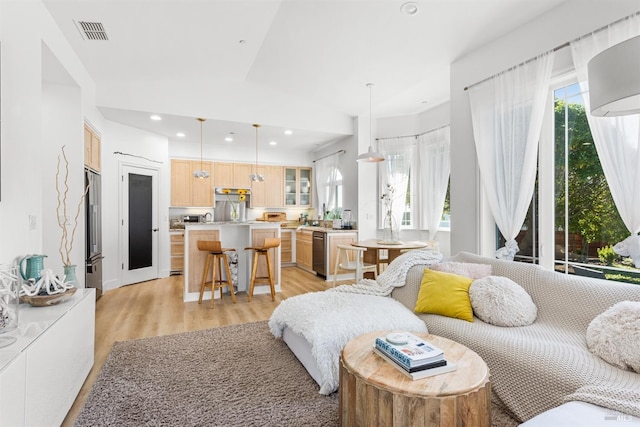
pixel 305 186
pixel 290 186
pixel 297 186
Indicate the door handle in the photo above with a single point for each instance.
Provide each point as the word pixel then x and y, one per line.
pixel 155 229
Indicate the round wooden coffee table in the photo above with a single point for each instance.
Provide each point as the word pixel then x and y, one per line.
pixel 372 392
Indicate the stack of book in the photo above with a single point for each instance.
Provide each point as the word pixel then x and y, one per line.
pixel 411 355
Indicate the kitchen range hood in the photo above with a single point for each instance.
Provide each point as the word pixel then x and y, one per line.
pixel 223 191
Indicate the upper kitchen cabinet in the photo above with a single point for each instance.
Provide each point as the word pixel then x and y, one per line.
pixel 186 190
pixel 297 186
pixel 241 175
pixel 91 149
pixel 268 193
pixel 233 175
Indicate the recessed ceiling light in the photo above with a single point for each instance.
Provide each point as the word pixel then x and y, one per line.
pixel 273 143
pixel 155 117
pixel 242 41
pixel 409 8
pixel 229 139
pixel 180 135
pixel 288 132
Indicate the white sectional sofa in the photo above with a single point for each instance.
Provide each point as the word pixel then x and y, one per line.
pixel 545 366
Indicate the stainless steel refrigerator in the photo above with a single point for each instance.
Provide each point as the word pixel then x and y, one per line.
pixel 93 251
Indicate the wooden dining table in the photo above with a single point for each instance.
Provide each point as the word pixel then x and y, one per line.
pixel 376 248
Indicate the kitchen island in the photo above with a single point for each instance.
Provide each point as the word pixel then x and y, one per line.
pixel 237 235
pixel 316 249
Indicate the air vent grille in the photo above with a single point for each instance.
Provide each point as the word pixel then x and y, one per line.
pixel 92 30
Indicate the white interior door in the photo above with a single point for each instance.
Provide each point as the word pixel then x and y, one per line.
pixel 139 224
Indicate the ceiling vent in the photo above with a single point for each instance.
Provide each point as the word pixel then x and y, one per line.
pixel 92 30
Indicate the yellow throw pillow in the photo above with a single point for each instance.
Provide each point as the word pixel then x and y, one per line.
pixel 446 294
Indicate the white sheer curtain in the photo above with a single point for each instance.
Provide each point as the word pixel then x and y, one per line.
pixel 507 112
pixel 431 178
pixel 616 138
pixel 394 171
pixel 326 172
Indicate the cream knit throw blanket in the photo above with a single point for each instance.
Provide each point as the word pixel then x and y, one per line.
pixel 394 275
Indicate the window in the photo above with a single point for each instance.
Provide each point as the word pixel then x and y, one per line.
pixel 333 192
pixel 417 171
pixel 586 223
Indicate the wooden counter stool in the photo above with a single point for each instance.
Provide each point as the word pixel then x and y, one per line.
pixel 216 255
pixel 269 243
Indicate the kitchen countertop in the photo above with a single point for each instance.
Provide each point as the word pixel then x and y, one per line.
pixel 289 226
pixel 327 229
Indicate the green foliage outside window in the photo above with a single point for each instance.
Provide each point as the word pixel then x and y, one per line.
pixel 592 212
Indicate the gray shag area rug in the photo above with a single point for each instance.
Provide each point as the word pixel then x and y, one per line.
pixel 237 375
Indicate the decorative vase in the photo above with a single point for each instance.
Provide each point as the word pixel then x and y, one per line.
pixel 9 302
pixel 391 230
pixel 234 215
pixel 70 275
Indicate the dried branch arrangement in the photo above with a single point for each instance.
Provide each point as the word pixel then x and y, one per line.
pixel 62 190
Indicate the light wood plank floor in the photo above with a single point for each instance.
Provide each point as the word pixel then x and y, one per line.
pixel 155 308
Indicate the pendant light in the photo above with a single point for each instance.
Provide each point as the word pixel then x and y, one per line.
pixel 255 176
pixel 201 174
pixel 614 80
pixel 370 156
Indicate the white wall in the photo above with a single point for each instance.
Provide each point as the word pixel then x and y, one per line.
pixel 472 228
pixel 60 108
pixel 37 117
pixel 129 140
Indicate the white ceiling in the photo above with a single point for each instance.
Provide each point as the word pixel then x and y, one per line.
pixel 302 64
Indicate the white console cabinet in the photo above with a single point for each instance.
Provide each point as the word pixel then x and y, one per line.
pixel 42 372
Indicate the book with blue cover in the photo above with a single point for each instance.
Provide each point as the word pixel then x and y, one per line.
pixel 409 349
pixel 422 367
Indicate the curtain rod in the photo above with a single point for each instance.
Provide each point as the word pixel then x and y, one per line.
pixel 563 45
pixel 416 135
pixel 328 155
pixel 555 49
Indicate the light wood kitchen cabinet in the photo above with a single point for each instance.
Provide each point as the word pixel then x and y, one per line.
pixel 304 249
pixel 268 193
pixel 286 251
pixel 297 186
pixel 233 175
pixel 241 175
pixel 177 251
pixel 91 149
pixel 186 190
pixel 223 174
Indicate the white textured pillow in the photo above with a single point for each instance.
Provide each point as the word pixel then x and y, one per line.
pixel 502 302
pixel 467 269
pixel 615 335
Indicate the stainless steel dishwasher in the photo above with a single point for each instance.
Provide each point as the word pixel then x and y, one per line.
pixel 319 251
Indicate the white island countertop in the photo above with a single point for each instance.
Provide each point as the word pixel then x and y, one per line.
pixel 232 234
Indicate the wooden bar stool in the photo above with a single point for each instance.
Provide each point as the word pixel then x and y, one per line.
pixel 263 250
pixel 216 255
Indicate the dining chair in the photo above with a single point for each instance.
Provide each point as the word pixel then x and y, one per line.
pixel 350 258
